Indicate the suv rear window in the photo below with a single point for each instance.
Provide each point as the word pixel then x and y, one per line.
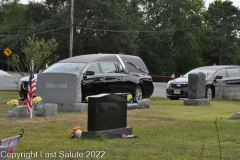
pixel 233 72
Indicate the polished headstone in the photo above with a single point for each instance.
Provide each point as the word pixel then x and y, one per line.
pixel 107 111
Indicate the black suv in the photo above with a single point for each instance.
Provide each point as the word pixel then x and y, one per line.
pixel 178 88
pixel 117 73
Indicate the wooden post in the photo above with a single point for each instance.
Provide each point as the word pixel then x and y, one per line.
pixel 71 29
pixel 219 89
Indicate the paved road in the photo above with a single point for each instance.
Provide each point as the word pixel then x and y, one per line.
pixel 159 89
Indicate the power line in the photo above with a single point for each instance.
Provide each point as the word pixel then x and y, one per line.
pixel 31 27
pixel 116 22
pixel 120 31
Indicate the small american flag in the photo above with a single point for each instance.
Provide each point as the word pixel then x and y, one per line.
pixel 173 76
pixel 31 90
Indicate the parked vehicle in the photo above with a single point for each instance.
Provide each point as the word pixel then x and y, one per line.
pixel 230 74
pixel 3 73
pixel 104 73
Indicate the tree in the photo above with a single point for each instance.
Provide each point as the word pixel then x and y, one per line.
pixel 36 50
pixel 223 21
pixel 12 26
pixel 174 40
pixel 106 26
pixel 99 26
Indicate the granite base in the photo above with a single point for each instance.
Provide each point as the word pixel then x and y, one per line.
pixel 111 133
pixel 196 102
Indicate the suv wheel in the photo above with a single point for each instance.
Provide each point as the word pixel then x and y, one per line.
pixel 138 94
pixel 209 92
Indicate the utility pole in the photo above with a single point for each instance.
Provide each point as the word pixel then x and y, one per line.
pixel 71 29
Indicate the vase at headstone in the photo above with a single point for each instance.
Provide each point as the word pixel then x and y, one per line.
pixel 39 105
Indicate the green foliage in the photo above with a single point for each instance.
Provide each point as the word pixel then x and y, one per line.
pixel 38 51
pixel 16 63
pixel 176 44
pixel 223 19
pixel 12 20
pixel 104 27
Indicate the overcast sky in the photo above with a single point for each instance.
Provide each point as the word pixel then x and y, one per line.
pixel 235 2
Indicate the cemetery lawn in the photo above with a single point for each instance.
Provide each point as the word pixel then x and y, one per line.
pixel 166 130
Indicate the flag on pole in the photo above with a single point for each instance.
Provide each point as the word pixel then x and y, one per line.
pixel 31 90
pixel 173 76
pixel 11 143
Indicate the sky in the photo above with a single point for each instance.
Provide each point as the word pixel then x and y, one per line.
pixel 235 2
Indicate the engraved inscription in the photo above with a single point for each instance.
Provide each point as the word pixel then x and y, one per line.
pixel 56 85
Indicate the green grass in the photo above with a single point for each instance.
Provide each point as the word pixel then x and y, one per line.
pixel 168 130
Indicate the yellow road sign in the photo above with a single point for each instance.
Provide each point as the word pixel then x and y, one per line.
pixel 7 52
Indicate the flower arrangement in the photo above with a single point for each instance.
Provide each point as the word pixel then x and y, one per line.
pixel 13 103
pixel 76 132
pixel 130 98
pixel 129 136
pixel 37 99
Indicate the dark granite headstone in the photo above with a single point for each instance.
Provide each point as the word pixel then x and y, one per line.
pixel 196 85
pixel 107 116
pixel 196 90
pixel 107 111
